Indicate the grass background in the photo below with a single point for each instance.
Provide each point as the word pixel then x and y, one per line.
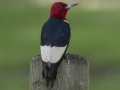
pixel 95 35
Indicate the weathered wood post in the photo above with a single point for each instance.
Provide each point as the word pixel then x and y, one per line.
pixel 73 74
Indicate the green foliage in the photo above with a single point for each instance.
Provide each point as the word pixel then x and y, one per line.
pixel 95 35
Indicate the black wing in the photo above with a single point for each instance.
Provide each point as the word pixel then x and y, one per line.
pixel 55 32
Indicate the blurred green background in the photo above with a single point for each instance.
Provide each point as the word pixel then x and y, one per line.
pixel 95 28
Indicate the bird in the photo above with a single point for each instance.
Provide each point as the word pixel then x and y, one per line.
pixel 55 37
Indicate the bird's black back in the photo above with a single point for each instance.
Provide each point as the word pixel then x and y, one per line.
pixel 55 32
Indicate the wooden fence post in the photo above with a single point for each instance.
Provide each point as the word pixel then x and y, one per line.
pixel 73 74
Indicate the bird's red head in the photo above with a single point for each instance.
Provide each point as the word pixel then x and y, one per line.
pixel 60 9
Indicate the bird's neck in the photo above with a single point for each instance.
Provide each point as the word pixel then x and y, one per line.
pixel 58 16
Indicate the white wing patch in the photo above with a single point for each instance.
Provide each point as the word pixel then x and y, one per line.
pixel 52 54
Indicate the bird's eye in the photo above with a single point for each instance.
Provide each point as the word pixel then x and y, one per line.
pixel 61 7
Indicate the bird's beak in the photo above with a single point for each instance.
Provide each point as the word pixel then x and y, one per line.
pixel 71 5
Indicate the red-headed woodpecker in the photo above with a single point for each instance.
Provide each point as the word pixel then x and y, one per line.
pixel 55 38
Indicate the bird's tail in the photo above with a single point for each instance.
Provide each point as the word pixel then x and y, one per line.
pixel 48 78
pixel 50 72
